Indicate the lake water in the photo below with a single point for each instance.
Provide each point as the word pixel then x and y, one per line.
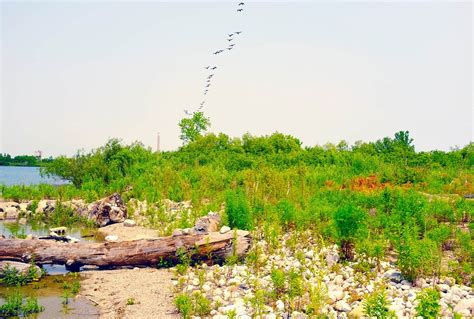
pixel 15 175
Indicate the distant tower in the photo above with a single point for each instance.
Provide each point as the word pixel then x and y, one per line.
pixel 158 142
pixel 38 154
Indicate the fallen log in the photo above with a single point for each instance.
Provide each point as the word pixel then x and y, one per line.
pixel 211 247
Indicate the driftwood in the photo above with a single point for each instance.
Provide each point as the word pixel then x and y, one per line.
pixel 211 247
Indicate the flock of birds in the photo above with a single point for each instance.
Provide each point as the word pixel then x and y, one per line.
pixel 231 37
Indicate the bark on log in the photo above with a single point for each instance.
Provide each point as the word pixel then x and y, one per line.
pixel 212 247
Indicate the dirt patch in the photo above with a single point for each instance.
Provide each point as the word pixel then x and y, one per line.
pixel 139 293
pixel 128 233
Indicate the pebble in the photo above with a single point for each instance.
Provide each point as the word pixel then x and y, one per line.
pixel 129 223
pixel 280 306
pixel 224 229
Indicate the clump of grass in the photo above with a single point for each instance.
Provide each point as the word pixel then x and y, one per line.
pixel 184 305
pixel 376 306
pixel 428 303
pixel 130 301
pixel 278 279
pixel 188 305
pixel 13 277
pixel 15 306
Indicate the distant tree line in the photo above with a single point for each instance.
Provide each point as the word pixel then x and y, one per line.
pixel 22 160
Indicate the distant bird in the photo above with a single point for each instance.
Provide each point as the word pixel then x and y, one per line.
pixel 238 32
pixel 187 112
pixel 240 10
pixel 230 35
pixel 203 102
pixel 231 45
pixel 230 39
pixel 210 76
pixel 230 48
pixel 208 85
pixel 217 52
pixel 207 67
pixel 241 4
pixel 213 68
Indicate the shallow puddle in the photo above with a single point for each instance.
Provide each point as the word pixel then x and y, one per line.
pixel 50 289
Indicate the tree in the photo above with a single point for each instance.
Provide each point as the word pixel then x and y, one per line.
pixel 193 127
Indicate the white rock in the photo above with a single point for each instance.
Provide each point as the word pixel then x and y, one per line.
pixel 443 287
pixel 129 223
pixel 224 229
pixel 332 257
pixel 206 287
pixel 341 305
pixel 465 307
pixel 111 238
pixel 280 305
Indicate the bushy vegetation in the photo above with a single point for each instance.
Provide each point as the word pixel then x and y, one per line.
pixel 22 160
pixel 11 276
pixel 376 305
pixel 15 306
pixel 428 306
pixel 370 197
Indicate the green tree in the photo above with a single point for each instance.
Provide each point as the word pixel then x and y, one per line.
pixel 193 127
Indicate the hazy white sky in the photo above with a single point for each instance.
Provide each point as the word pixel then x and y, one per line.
pixel 76 73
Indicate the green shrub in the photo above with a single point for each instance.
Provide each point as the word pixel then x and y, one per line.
pixel 287 212
pixel 278 278
pixel 13 277
pixel 14 306
pixel 184 305
pixel 202 305
pixel 238 210
pixel 350 224
pixel 376 306
pixel 418 258
pixel 428 303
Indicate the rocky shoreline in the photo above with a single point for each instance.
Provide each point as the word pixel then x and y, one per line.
pixel 246 291
pixel 315 282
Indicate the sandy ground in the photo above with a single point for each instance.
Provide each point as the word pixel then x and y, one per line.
pixel 150 288
pixel 128 233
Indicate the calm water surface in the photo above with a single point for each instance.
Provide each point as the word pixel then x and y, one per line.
pixel 14 175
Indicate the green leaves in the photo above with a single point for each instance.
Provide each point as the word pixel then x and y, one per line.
pixel 428 304
pixel 194 127
pixel 238 210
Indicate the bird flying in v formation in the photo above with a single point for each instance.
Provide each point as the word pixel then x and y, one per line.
pixel 230 38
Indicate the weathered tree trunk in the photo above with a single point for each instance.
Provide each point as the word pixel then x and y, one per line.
pixel 213 247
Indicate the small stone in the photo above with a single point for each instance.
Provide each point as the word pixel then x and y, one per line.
pixel 298 315
pixel 357 312
pixel 280 306
pixel 225 229
pixel 341 305
pixel 443 287
pixel 129 223
pixel 465 307
pixel 111 238
pixel 177 232
pixel 22 221
pixel 206 287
